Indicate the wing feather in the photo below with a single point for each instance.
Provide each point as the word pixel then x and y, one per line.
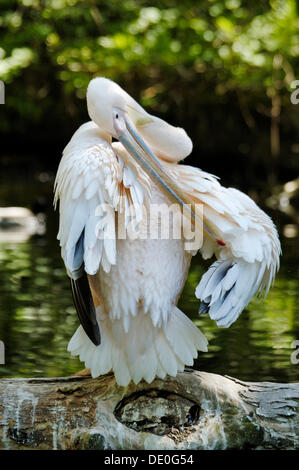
pixel 89 184
pixel 250 259
pixel 85 308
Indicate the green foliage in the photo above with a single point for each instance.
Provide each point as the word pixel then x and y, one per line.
pixel 176 57
pixel 239 41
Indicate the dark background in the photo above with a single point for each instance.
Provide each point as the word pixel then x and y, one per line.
pixel 223 70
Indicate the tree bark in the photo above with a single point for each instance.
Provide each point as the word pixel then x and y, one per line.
pixel 195 410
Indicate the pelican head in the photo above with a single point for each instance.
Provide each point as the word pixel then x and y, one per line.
pixel 144 136
pixel 103 98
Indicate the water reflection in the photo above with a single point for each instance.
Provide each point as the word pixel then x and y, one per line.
pixel 36 312
pixel 37 317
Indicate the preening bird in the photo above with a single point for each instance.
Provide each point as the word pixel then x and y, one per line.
pixel 126 283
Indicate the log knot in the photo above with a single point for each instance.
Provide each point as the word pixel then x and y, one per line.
pixel 157 411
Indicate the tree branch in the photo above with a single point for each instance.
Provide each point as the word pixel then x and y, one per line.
pixel 195 410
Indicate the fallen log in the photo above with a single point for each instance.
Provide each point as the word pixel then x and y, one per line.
pixel 195 410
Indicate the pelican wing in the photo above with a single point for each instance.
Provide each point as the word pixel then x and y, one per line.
pixel 92 184
pixel 248 262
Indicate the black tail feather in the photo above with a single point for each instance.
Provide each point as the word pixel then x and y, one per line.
pixel 85 308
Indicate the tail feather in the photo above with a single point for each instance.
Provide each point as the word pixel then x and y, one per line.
pixel 181 340
pixel 144 352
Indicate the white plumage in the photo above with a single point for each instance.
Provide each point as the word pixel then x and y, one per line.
pixel 136 283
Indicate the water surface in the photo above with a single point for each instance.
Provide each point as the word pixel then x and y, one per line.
pixel 37 316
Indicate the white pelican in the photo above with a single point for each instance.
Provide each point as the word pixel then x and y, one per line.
pixel 126 290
